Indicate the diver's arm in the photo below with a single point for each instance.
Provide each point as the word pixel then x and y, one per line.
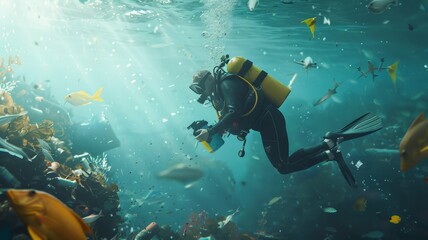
pixel 234 92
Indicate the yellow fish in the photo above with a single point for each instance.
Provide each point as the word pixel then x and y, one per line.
pixel 311 24
pixel 47 217
pixel 82 98
pixel 392 70
pixel 414 145
pixel 395 219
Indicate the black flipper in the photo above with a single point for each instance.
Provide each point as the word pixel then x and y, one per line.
pixel 364 125
pixel 346 172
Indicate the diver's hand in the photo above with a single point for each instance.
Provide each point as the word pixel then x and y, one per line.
pixel 203 135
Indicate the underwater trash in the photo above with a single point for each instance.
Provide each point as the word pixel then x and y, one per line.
pixel 252 4
pixel 330 210
pixel 358 164
pixel 395 219
pixel 148 232
pixel 307 63
pixel 223 223
pixel 326 21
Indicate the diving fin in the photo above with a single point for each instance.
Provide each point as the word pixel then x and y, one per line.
pixel 346 172
pixel 364 125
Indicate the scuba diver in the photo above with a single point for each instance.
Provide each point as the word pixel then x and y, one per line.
pixel 243 98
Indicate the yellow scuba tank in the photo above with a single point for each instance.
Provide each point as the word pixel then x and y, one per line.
pixel 275 91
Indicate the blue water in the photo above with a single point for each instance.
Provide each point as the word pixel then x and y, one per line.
pixel 144 53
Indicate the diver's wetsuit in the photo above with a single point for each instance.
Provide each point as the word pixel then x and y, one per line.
pixel 233 97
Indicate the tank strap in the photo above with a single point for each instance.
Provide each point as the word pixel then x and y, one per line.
pixel 245 67
pixel 258 82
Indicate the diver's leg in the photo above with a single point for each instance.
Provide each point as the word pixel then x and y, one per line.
pixel 299 160
pixel 273 130
pixel 270 124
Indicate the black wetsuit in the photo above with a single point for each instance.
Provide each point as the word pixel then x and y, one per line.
pixel 233 97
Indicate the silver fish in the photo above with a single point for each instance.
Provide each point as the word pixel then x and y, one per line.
pixel 48 155
pixel 181 173
pixel 44 144
pixel 92 218
pixel 13 150
pixel 330 92
pixel 379 6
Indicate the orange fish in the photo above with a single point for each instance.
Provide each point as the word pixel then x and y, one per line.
pixel 426 180
pixel 414 145
pixel 47 217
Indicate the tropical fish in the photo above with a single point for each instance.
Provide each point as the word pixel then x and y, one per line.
pixel 252 4
pixel 311 24
pixel 360 204
pixel 414 145
pixel 5 119
pixel 330 92
pixel 379 6
pixel 181 173
pixel 274 200
pixel 395 219
pixel 307 63
pixel 82 98
pixel 46 217
pixel 373 234
pixel 392 69
pixel 329 210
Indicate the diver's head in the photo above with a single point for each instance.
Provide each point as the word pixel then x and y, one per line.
pixel 203 84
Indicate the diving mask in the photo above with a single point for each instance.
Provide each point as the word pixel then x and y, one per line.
pixel 199 86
